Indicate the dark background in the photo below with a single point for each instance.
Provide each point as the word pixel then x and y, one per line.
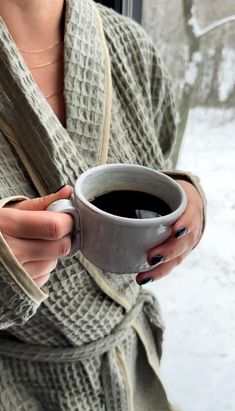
pixel 119 6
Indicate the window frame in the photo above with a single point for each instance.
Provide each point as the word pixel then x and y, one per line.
pixel 129 8
pixel 133 9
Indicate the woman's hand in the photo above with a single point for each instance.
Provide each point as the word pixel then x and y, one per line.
pixel 185 235
pixel 37 237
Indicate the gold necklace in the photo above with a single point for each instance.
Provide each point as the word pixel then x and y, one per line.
pixel 54 94
pixel 38 66
pixel 42 50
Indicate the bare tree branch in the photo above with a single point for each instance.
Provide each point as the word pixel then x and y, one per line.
pixel 217 24
pixel 199 32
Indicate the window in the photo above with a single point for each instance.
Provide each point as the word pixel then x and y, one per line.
pixel 130 8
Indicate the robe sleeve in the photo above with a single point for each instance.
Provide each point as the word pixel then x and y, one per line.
pixel 19 295
pixel 164 114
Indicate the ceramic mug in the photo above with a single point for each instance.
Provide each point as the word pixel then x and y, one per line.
pixel 119 244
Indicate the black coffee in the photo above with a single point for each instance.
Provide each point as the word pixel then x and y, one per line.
pixel 131 204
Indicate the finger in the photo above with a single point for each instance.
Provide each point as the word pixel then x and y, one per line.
pixel 161 271
pixel 187 223
pixel 39 269
pixel 171 249
pixel 27 251
pixel 44 225
pixel 185 234
pixel 41 203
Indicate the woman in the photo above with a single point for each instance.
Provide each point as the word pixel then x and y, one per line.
pixel 73 337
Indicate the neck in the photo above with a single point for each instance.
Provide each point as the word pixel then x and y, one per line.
pixel 33 24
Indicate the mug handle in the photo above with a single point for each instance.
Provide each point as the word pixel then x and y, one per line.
pixel 66 206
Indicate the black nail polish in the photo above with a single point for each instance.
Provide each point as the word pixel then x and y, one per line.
pixel 60 188
pixel 146 280
pixel 157 259
pixel 180 233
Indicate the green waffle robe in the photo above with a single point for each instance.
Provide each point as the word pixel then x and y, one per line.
pixel 88 340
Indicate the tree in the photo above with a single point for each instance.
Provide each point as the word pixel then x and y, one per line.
pixel 194 35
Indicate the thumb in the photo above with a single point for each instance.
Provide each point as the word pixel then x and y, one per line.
pixel 41 203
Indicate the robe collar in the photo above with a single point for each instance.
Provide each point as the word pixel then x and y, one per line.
pixel 58 154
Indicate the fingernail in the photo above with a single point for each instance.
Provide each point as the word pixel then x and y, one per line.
pixel 157 259
pixel 60 188
pixel 180 233
pixel 145 280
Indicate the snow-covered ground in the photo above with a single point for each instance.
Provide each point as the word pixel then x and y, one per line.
pixel 198 298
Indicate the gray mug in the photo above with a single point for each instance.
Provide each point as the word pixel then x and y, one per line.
pixel 119 244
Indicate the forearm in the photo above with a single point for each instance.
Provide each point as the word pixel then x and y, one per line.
pixel 19 295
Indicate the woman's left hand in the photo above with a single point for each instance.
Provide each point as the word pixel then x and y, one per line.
pixel 186 234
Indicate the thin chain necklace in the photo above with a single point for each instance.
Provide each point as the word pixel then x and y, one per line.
pixel 54 94
pixel 42 50
pixel 39 66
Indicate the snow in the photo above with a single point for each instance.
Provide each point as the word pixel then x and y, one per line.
pixel 192 71
pixel 226 78
pixel 198 298
pixel 195 25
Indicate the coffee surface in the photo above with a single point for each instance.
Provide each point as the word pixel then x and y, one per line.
pixel 131 204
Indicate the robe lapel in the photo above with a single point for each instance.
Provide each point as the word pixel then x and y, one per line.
pixel 84 83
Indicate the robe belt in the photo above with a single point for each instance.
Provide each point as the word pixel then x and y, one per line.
pixel 39 353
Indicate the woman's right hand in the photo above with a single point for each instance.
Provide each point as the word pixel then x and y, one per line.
pixel 37 237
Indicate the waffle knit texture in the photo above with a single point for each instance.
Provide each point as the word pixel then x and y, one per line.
pixel 89 340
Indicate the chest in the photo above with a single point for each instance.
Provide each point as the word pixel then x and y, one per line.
pixel 47 70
